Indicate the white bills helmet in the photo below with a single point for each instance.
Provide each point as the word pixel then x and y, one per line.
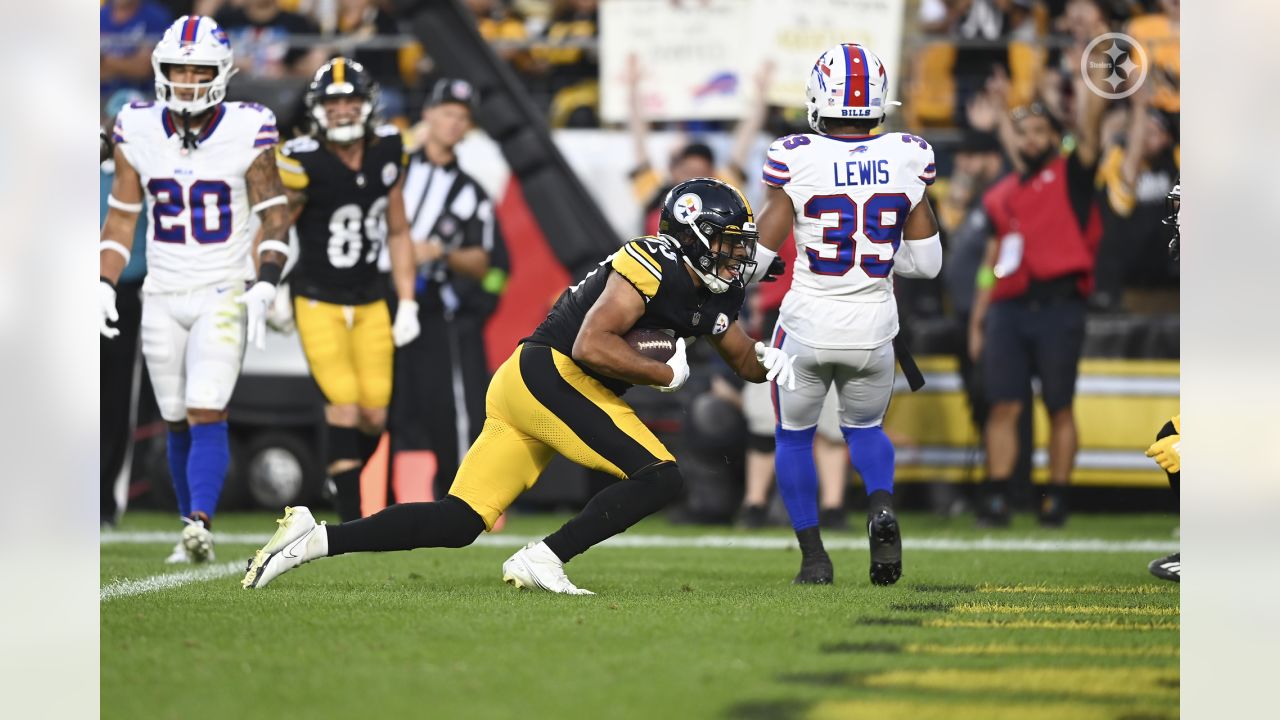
pixel 848 82
pixel 193 40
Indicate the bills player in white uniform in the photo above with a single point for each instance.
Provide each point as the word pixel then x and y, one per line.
pixel 206 167
pixel 857 202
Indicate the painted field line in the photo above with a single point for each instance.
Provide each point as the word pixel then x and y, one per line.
pixel 1120 625
pixel 1057 650
pixel 1161 589
pixel 155 583
pixel 997 609
pixel 718 542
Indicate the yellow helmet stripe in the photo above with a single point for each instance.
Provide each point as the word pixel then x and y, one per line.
pixel 339 70
pixel 750 217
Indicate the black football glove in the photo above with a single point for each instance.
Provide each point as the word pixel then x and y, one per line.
pixel 776 268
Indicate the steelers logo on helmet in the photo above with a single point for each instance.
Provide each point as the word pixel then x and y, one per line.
pixel 715 230
pixel 688 208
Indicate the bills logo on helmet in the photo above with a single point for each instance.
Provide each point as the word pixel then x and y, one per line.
pixel 688 208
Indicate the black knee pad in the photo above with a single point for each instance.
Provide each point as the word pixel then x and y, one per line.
pixel 664 479
pixel 1166 431
pixel 344 443
pixel 461 524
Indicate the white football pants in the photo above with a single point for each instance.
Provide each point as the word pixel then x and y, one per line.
pixel 863 380
pixel 194 344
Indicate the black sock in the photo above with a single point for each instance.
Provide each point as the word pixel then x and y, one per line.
pixel 1174 478
pixel 811 543
pixel 996 488
pixel 347 495
pixel 617 508
pixel 368 445
pixel 879 500
pixel 447 523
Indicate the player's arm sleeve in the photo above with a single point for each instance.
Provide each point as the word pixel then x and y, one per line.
pixel 292 172
pixel 776 171
pixel 268 135
pixel 639 267
pixel 928 169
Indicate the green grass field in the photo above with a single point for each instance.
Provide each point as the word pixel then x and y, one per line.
pixel 707 626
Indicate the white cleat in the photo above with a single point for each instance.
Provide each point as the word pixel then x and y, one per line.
pixel 197 542
pixel 298 540
pixel 178 556
pixel 537 568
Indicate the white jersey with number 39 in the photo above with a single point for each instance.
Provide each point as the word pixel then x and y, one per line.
pixel 199 229
pixel 852 196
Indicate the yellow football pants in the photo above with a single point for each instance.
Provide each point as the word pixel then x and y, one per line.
pixel 349 349
pixel 541 403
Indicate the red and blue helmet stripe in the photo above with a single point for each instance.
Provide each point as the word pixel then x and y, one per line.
pixel 856 71
pixel 190 29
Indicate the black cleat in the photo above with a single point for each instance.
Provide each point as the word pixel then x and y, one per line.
pixel 1053 510
pixel 886 547
pixel 753 517
pixel 1168 567
pixel 815 570
pixel 993 512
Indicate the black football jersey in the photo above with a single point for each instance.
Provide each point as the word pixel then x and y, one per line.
pixel 673 300
pixel 343 225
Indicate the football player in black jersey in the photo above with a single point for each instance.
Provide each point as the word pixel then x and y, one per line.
pixel 560 393
pixel 345 189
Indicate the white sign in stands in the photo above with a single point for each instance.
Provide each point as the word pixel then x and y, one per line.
pixel 694 58
pixel 697 60
pixel 793 35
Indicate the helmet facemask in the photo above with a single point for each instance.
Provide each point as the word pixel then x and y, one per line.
pixel 715 252
pixel 345 133
pixel 204 95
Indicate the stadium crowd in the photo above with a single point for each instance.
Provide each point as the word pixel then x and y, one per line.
pixel 972 69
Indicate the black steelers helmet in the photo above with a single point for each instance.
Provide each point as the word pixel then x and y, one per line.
pixel 716 230
pixel 1174 202
pixel 342 77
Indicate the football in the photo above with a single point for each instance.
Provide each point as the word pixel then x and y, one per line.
pixel 657 344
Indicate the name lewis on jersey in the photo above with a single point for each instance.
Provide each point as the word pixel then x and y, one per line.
pixel 860 172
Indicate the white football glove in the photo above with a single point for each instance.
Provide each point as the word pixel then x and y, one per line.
pixel 107 307
pixel 280 312
pixel 780 366
pixel 679 367
pixel 256 300
pixel 406 328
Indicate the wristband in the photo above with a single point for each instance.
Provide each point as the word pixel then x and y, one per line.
pixel 269 203
pixel 123 206
pixel 274 246
pixel 115 247
pixel 986 278
pixel 764 258
pixel 270 272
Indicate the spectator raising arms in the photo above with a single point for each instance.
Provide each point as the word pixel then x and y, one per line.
pixel 1029 313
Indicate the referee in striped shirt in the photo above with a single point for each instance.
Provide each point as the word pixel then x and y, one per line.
pixel 437 407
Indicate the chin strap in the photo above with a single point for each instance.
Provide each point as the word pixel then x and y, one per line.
pixel 189 141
